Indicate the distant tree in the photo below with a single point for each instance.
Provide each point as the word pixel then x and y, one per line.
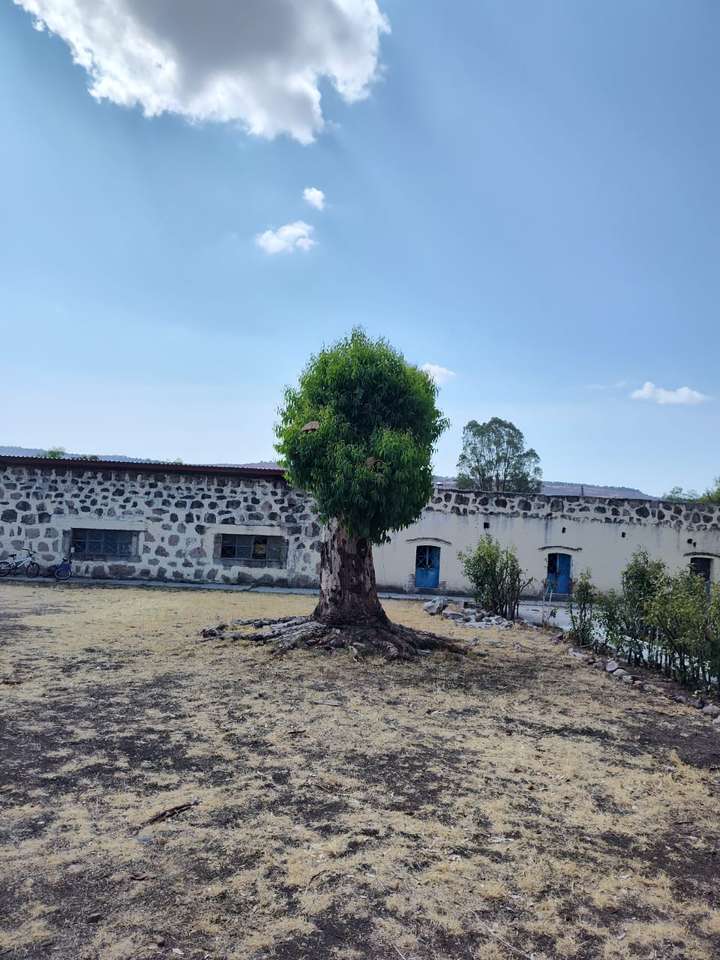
pixel 679 495
pixel 494 457
pixel 712 494
pixel 55 453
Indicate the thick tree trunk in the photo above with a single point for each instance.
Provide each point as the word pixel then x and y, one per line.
pixel 348 614
pixel 348 595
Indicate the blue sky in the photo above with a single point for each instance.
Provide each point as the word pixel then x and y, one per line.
pixel 528 197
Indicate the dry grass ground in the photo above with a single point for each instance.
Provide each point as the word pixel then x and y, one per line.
pixel 511 804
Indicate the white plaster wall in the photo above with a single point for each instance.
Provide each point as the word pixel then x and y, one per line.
pixel 597 546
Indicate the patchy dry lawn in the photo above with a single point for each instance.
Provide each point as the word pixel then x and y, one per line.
pixel 510 804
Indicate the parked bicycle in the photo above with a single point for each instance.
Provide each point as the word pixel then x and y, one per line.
pixel 26 565
pixel 63 571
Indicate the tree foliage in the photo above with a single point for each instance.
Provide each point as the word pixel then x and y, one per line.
pixel 712 494
pixel 358 433
pixel 494 457
pixel 680 495
pixel 496 576
pixel 55 453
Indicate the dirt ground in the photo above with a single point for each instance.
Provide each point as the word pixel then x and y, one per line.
pixel 510 804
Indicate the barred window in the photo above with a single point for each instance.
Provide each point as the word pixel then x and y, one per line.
pixel 103 544
pixel 253 551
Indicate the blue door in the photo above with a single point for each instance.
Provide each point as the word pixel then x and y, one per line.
pixel 427 567
pixel 558 572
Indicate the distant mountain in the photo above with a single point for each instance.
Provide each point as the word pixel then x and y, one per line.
pixel 557 488
pixel 34 452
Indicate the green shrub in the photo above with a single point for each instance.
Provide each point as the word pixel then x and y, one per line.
pixel 496 577
pixel 582 603
pixel 679 612
pixel 610 617
pixel 671 622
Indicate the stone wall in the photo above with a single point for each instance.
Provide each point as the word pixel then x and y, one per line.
pixel 177 514
pixel 176 518
pixel 599 534
pixel 691 516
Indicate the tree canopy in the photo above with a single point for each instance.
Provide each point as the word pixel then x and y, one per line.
pixel 494 457
pixel 358 433
pixel 680 495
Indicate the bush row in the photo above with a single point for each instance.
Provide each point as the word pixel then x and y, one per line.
pixel 657 619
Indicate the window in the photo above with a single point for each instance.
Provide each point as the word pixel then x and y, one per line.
pixel 103 544
pixel 253 551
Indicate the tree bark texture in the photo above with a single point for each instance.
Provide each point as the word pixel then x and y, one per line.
pixel 348 594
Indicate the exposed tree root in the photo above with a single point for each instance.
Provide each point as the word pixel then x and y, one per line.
pixel 386 639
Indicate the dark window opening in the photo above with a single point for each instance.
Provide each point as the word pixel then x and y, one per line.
pixel 486 525
pixel 253 551
pixel 701 567
pixel 564 529
pixel 103 544
pixel 623 534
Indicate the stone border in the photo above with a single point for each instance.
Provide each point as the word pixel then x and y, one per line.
pixel 613 667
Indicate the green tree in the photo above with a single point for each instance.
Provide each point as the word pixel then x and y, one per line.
pixel 55 453
pixel 358 433
pixel 679 495
pixel 712 494
pixel 494 457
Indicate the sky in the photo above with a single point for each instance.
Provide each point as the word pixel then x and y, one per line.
pixel 524 196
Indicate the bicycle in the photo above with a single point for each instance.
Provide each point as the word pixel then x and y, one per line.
pixel 27 565
pixel 63 571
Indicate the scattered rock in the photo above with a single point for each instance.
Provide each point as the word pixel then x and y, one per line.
pixel 611 666
pixel 433 607
pixel 94 917
pixel 711 710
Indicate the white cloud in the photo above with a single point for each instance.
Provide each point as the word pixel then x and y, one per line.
pixel 315 197
pixel 259 62
pixel 286 239
pixel 440 375
pixel 682 395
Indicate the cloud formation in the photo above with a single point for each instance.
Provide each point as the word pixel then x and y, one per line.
pixel 315 197
pixel 287 239
pixel 681 395
pixel 440 375
pixel 258 62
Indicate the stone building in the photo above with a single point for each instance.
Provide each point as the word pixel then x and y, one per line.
pixel 246 525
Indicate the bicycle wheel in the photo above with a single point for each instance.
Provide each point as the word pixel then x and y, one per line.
pixel 5 568
pixel 33 569
pixel 63 572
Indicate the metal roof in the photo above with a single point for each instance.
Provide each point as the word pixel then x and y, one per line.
pixel 144 466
